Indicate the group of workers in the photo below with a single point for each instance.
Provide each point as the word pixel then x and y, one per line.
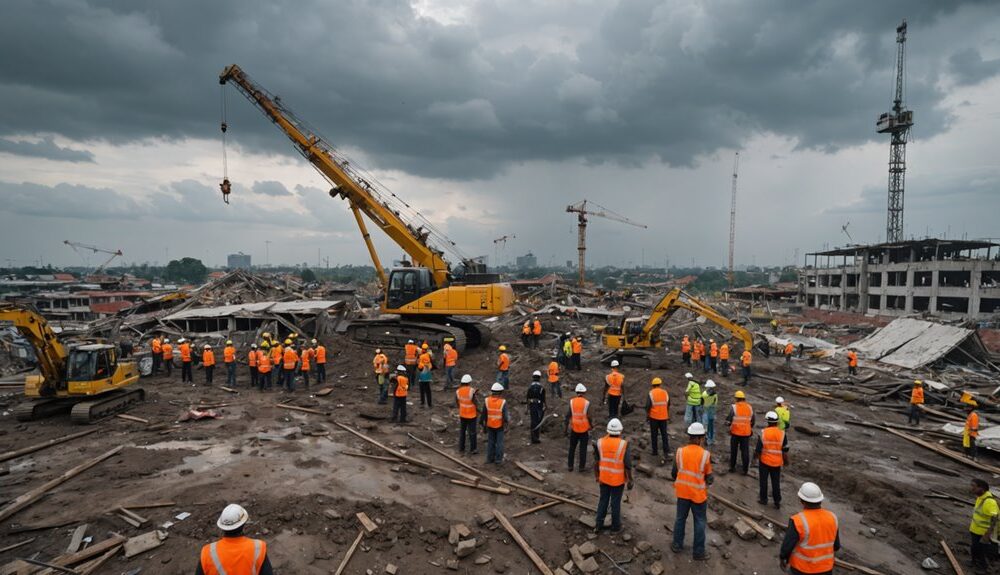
pixel 714 358
pixel 272 362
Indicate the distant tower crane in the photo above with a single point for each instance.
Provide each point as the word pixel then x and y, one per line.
pixel 498 244
pixel 897 124
pixel 732 223
pixel 582 211
pixel 77 246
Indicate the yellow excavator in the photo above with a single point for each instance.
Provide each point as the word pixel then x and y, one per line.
pixel 635 340
pixel 87 377
pixel 426 292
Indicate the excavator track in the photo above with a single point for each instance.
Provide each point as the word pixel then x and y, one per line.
pixel 30 410
pixel 106 404
pixel 395 333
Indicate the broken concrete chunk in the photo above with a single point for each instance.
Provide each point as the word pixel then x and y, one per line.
pixel 332 514
pixel 744 530
pixel 589 566
pixel 588 549
pixel 144 542
pixel 457 532
pixel 643 546
pixel 391 569
pixel 465 548
pixel 575 555
pixel 452 564
pixel 483 560
pixel 655 569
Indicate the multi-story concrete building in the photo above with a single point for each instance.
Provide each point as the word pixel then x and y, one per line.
pixel 238 261
pixel 955 278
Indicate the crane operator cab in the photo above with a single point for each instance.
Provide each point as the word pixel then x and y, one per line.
pixel 407 285
pixel 627 333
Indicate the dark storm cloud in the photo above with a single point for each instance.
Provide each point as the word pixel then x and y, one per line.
pixel 270 188
pixel 638 79
pixel 968 67
pixel 46 148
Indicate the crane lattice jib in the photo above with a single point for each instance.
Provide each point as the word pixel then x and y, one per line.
pixel 49 351
pixel 404 225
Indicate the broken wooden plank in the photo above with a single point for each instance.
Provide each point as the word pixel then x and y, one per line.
pixel 324 392
pixel 490 488
pixel 529 471
pixel 452 458
pixel 229 389
pixel 16 545
pixel 80 556
pixel 40 526
pixel 133 515
pixel 39 446
pixel 951 558
pixel 375 457
pixel 49 565
pixel 302 409
pixel 366 521
pixel 350 553
pixel 93 565
pixel 856 567
pixel 128 417
pixel 149 505
pixel 936 468
pixel 145 542
pixel 531 510
pixel 522 543
pixel 76 539
pixel 442 470
pixel 128 520
pixel 35 494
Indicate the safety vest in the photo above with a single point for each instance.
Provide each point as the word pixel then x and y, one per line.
pixel 320 354
pixel 772 440
pixel 233 556
pixel 697 351
pixel 615 379
pixel 784 417
pixel 576 345
pixel 402 385
pixel 289 359
pixel 168 351
pixel 789 348
pixel 450 356
pixel 852 359
pixel 307 356
pixel 526 328
pixel 658 399
pixel 553 372
pixel 724 352
pixel 972 425
pixel 381 363
pixel 817 533
pixel 411 354
pixel 713 350
pixel 185 352
pixel 693 465
pixel 263 362
pixel 693 393
pixel 567 348
pixel 424 362
pixel 980 514
pixel 685 346
pixel 537 328
pixel 252 358
pixel 494 411
pixel 208 358
pixel 578 407
pixel 917 396
pixel 746 359
pixel 155 345
pixel 277 353
pixel 742 413
pixel 709 399
pixel 466 407
pixel 503 362
pixel 612 460
pixel 228 354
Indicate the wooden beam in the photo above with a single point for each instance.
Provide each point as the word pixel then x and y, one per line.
pixel 40 446
pixel 452 458
pixel 531 510
pixel 490 488
pixel 856 567
pixel 366 521
pixel 936 468
pixel 376 457
pixel 542 567
pixel 16 545
pixel 951 558
pixel 350 553
pixel 80 556
pixel 302 409
pixel 529 471
pixel 49 565
pixel 35 494
pixel 92 566
pixel 128 417
pixel 442 470
pixel 149 505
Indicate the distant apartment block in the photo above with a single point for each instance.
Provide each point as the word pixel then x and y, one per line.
pixel 238 261
pixel 527 261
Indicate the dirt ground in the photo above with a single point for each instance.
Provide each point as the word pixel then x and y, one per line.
pixel 302 491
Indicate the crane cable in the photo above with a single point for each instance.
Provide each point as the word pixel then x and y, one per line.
pixel 225 186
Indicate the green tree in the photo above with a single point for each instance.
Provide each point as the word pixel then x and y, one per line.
pixel 307 275
pixel 186 270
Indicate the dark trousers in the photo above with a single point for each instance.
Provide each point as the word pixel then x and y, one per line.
pixel 425 393
pixel 305 377
pixel 168 365
pixel 578 441
pixel 288 375
pixel 449 372
pixel 982 553
pixel 254 376
pixel 686 358
pixel 614 402
pixel 742 444
pixel 657 431
pixel 209 372
pixel 715 364
pixel 852 370
pixel 724 367
pixel 467 427
pixel 772 474
pixel 186 371
pixel 320 373
pixel 398 409
pixel 914 415
pixel 577 362
pixel 795 571
pixel 535 415
pixel 788 359
pixel 264 381
pixel 556 388
pixel 610 496
pixel 157 360
pixel 699 511
pixel 746 375
pixel 972 450
pixel 383 388
pixel 411 372
pixel 231 373
pixel 494 445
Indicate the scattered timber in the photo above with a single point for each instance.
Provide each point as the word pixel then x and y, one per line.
pixel 531 510
pixel 16 545
pixel 490 488
pixel 350 552
pixel 936 468
pixel 40 446
pixel 522 543
pixel 128 417
pixel 951 558
pixel 538 476
pixel 420 463
pixel 302 409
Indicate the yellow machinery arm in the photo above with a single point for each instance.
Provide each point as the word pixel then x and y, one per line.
pixel 677 299
pixel 361 194
pixel 50 352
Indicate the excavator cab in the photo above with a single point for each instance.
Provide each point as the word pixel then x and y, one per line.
pixel 408 284
pixel 90 362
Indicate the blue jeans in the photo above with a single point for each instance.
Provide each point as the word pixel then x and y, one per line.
pixel 494 445
pixel 684 506
pixel 708 419
pixel 383 388
pixel 503 379
pixel 450 371
pixel 231 373
pixel 613 496
pixel 692 413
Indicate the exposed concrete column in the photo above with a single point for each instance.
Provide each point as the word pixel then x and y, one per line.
pixel 863 286
pixel 883 302
pixel 935 283
pixel 910 280
pixel 975 275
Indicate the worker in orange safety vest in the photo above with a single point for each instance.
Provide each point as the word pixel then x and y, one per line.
pixel 208 362
pixel 289 361
pixel 185 349
pixel 578 426
pixel 713 355
pixel 692 474
pixel 916 402
pixel 686 350
pixel 468 412
pixel 536 333
pixel 553 378
pixel 264 368
pixel 167 356
pixel 576 346
pixel 320 359
pixel 613 472
pixel 724 359
pixel 812 537
pixel 252 364
pixel 789 350
pixel 740 421
pixel 234 553
pixel 495 420
pixel 411 353
pixel 503 367
pixel 156 347
pixel 771 453
pixel 229 358
pixel 306 363
pixel 852 362
pixel 526 333
pixel 746 358
pixel 380 366
pixel 400 384
pixel 971 430
pixel 450 362
pixel 658 414
pixel 614 384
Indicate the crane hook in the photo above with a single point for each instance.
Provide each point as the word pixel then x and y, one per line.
pixel 226 187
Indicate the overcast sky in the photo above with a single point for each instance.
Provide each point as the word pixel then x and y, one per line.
pixel 489 118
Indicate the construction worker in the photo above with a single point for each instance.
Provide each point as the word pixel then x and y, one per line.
pixel 495 420
pixel 686 350
pixel 468 412
pixel 613 472
pixel 789 350
pixel 576 346
pixel 578 421
pixel 984 530
pixel 784 414
pixel 812 537
pixel 424 376
pixel 167 356
pixel 696 352
pixel 553 378
pixel 185 348
pixel 229 358
pixel 380 366
pixel 536 333
pixel 400 387
pixel 740 421
pixel 713 355
pixel 771 453
pixel 277 361
pixel 320 359
pixel 709 403
pixel 536 406
pixel 658 414
pixel 692 407
pixel 745 360
pixel 156 347
pixel 526 333
pixel 614 384
pixel 971 430
pixel 208 362
pixel 305 364
pixel 503 367
pixel 724 360
pixel 692 474
pixel 411 354
pixel 252 364
pixel 264 368
pixel 852 362
pixel 916 401
pixel 450 362
pixel 289 361
pixel 234 553
pixel 774 326
pixel 567 350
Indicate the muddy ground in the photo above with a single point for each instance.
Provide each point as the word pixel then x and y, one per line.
pixel 302 491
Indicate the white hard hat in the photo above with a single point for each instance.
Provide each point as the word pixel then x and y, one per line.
pixel 466 378
pixel 208 346
pixel 696 429
pixel 779 399
pixel 614 363
pixel 181 340
pixel 400 368
pixel 313 341
pixel 771 416
pixel 378 350
pixel 688 375
pixel 536 374
pixel 166 340
pixel 497 387
pixel 810 493
pixel 615 427
pixel 409 341
pixel 580 388
pixel 232 517
pixel 710 384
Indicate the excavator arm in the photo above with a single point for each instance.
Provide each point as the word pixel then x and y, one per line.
pixel 50 352
pixel 685 301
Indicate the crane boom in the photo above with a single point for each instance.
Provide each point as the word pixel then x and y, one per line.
pixel 111 253
pixel 582 211
pixel 732 222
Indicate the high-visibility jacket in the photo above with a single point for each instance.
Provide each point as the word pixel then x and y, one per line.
pixel 742 414
pixel 402 385
pixel 693 393
pixel 568 348
pixel 694 464
pixel 450 356
pixel 659 399
pixel 424 361
pixel 772 438
pixel 817 530
pixel 972 425
pixel 696 351
pixel 185 352
pixel 466 407
pixel 685 345
pixel 789 348
pixel 852 359
pixel 503 362
pixel 380 363
pixel 784 417
pixel 277 354
pixel 724 352
pixel 307 356
pixel 411 354
pixel 746 359
pixel 494 411
pixel 208 358
pixel 526 328
pixel 576 345
pixel 320 354
pixel 536 328
pixel 709 399
pixel 611 465
pixel 263 362
pixel 168 351
pixel 289 359
pixel 553 371
pixel 252 358
pixel 982 514
pixel 578 408
pixel 713 350
pixel 233 556
pixel 615 379
pixel 917 395
pixel 155 345
pixel 228 354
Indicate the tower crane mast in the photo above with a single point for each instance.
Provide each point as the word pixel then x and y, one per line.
pixel 582 210
pixel 732 223
pixel 897 124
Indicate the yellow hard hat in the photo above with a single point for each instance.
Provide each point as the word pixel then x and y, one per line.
pixel 657 381
pixel 229 342
pixel 288 342
pixel 917 382
pixel 265 344
pixel 423 346
pixel 740 394
pixel 503 348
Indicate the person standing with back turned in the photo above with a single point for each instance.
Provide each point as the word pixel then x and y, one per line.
pixel 692 474
pixel 613 472
pixel 234 554
pixel 812 537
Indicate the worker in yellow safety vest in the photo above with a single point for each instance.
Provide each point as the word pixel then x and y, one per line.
pixel 784 414
pixel 984 530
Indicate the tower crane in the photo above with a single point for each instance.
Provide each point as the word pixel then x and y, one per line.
pixel 77 246
pixel 501 243
pixel 586 208
pixel 732 223
pixel 897 124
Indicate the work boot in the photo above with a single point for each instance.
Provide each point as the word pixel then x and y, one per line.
pixel 703 557
pixel 675 548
